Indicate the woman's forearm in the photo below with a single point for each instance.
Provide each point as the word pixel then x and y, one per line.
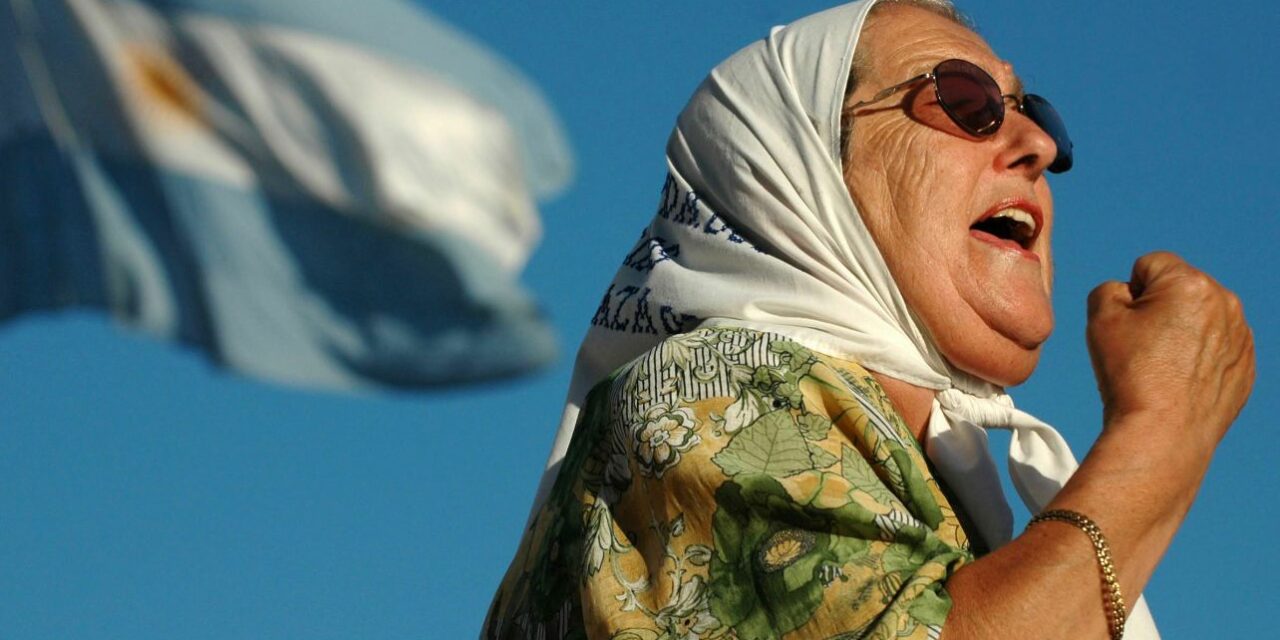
pixel 1046 583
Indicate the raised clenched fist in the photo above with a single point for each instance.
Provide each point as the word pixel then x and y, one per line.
pixel 1171 344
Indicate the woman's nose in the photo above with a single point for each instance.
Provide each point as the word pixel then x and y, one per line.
pixel 1025 147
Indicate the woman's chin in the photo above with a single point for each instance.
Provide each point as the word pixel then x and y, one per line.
pixel 1006 366
pixel 1001 348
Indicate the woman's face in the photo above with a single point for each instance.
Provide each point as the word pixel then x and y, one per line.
pixel 923 185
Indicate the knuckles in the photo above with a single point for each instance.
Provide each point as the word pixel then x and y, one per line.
pixel 1234 305
pixel 1195 283
pixel 1167 291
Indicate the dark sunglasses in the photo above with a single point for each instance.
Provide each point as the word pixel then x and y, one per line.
pixel 972 99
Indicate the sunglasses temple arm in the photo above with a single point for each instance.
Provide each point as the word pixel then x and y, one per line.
pixel 894 89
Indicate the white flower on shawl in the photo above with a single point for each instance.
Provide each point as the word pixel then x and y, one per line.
pixel 689 616
pixel 665 434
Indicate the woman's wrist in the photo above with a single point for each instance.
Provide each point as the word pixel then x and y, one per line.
pixel 1155 444
pixel 1137 484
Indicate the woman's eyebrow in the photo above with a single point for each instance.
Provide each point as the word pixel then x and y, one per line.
pixel 921 67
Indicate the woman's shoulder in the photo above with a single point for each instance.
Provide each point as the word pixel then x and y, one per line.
pixel 758 371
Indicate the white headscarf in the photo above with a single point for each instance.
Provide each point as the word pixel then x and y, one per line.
pixel 757 229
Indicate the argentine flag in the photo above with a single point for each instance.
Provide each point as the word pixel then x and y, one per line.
pixel 327 193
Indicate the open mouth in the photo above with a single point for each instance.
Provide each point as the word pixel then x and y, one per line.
pixel 1009 226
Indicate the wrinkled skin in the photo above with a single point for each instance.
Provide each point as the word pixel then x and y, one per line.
pixel 921 182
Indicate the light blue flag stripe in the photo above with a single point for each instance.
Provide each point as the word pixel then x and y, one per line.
pixel 269 282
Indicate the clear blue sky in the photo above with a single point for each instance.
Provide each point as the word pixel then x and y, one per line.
pixel 145 495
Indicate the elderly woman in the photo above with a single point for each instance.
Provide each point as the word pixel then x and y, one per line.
pixel 776 422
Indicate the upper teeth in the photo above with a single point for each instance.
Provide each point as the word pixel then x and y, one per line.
pixel 1018 215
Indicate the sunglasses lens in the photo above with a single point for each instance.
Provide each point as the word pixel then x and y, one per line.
pixel 970 96
pixel 1043 114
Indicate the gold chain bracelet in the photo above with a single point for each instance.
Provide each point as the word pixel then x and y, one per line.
pixel 1112 600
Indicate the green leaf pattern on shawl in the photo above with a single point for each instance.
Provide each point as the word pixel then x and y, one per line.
pixel 734 484
pixel 772 445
